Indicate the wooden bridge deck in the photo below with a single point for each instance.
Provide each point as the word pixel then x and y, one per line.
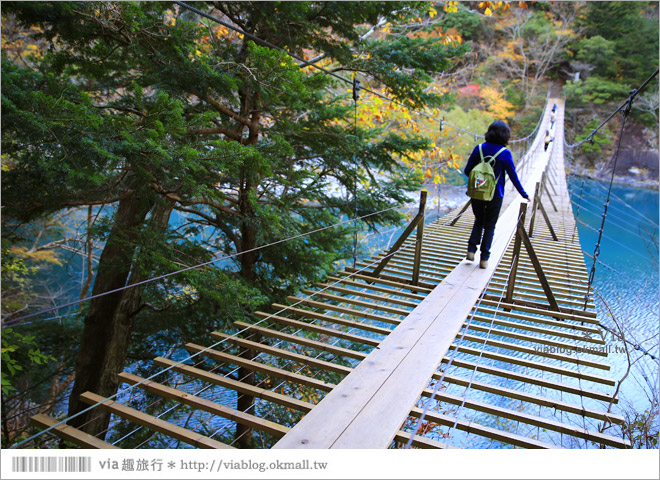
pixel 356 362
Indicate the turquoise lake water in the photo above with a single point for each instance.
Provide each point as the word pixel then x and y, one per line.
pixel 627 272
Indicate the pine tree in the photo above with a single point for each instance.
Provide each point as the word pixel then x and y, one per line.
pixel 149 109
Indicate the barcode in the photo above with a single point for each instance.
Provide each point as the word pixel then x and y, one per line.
pixel 51 464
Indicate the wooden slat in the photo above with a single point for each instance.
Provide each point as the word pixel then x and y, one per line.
pixel 282 353
pixel 384 281
pixel 377 288
pixel 587 317
pixel 206 405
pixel 359 303
pixel 325 347
pixel 533 351
pixel 400 279
pixel 69 433
pixel 393 270
pixel 151 422
pixel 419 442
pixel 374 296
pixel 531 398
pixel 298 340
pixel 475 428
pixel 544 320
pixel 236 385
pixel 534 339
pixel 536 365
pixel 312 327
pixel 345 310
pixel 259 367
pixel 533 328
pixel 334 319
pixel 549 424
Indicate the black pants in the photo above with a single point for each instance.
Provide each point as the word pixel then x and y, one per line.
pixel 483 230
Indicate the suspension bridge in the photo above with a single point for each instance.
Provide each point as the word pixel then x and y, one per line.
pixel 414 347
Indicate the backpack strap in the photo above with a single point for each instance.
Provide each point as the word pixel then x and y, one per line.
pixel 481 154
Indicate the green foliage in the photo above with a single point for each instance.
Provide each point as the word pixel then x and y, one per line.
pixel 599 53
pixel 595 90
pixel 216 144
pixel 593 151
pixel 468 24
pixel 19 351
pixel 629 33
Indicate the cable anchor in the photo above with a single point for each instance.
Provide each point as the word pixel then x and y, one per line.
pixel 356 89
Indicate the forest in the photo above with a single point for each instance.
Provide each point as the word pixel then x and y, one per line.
pixel 145 145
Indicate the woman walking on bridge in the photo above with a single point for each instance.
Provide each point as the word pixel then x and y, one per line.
pixel 486 212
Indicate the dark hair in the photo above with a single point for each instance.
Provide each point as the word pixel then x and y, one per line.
pixel 498 132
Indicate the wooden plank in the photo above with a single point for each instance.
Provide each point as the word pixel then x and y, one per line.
pixel 476 429
pixel 530 398
pixel 533 328
pixel 418 442
pixel 430 278
pixel 533 351
pixel 282 353
pixel 572 430
pixel 334 319
pixel 236 385
pixel 69 433
pixel 153 423
pixel 534 339
pixel 536 365
pixel 393 272
pixel 374 296
pixel 377 288
pixel 585 331
pixel 325 347
pixel 317 328
pixel 359 303
pixel 586 317
pixel 398 283
pixel 346 310
pixel 259 367
pixel 206 405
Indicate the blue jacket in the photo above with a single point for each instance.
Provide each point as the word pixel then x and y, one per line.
pixel 503 162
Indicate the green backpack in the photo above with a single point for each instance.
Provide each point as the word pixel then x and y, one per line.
pixel 482 181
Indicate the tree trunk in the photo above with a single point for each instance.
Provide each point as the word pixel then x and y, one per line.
pixel 245 403
pixel 109 322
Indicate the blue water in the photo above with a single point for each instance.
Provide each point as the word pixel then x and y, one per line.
pixel 626 276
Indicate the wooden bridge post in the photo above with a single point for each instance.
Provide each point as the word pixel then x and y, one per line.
pixel 465 207
pixel 418 222
pixel 516 254
pixel 537 200
pixel 420 234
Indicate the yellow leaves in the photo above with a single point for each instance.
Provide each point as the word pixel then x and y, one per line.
pixel 169 19
pixel 496 104
pixel 450 7
pixel 432 12
pixel 490 8
pixel 39 256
